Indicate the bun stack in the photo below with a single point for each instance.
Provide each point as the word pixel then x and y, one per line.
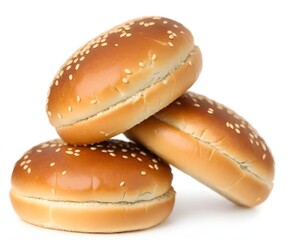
pixel 134 79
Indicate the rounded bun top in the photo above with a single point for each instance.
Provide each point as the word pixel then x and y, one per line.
pixel 114 66
pixel 111 171
pixel 224 130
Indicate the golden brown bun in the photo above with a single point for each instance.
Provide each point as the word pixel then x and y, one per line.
pixel 213 144
pixel 122 77
pixel 112 186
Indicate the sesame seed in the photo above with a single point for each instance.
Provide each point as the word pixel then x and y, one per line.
pixel 210 110
pixel 182 32
pixel 169 32
pixel 77 66
pixel 178 103
pixel 76 154
pixel 142 153
pixel 104 44
pixel 64 172
pixel 155 160
pixel 251 141
pixel 154 57
pixel 196 105
pixel 124 156
pixel 165 81
pixel 83 57
pixel 165 22
pixel 122 183
pixel 52 164
pixel 139 159
pixel 264 156
pixel 133 154
pixel 58 149
pixel 45 145
pixel 127 71
pixel 28 161
pixel 124 150
pixel 69 62
pixel 251 135
pixel 56 82
pixel 141 64
pixel 170 44
pixel 236 125
pixel 70 108
pixel 76 60
pixel 237 130
pixel 116 44
pixel 60 116
pixel 25 167
pixel 263 146
pixel 112 154
pixel 69 152
pixel 68 67
pixel 171 36
pixel 257 143
pixel 39 150
pixel 128 35
pixel 53 191
pixel 78 99
pixel 143 173
pixel 49 113
pixel 93 148
pixel 125 80
pixel 141 23
pixel 22 163
pixel 151 166
pixel 156 166
pixel 94 101
pixel 29 170
pixel 175 26
pixel 189 63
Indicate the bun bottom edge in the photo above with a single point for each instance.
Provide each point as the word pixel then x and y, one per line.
pixel 93 217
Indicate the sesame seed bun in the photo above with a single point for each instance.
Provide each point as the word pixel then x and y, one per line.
pixel 122 77
pixel 113 186
pixel 213 144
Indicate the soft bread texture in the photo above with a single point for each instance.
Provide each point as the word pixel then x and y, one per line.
pixel 122 76
pixel 213 144
pixel 112 186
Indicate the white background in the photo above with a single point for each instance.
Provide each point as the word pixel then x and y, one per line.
pixel 247 55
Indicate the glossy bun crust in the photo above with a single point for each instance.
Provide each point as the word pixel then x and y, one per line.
pixel 112 186
pixel 213 144
pixel 122 77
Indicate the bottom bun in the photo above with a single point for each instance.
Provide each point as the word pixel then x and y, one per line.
pixel 103 217
pixel 112 186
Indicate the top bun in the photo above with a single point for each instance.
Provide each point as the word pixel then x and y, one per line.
pixel 213 144
pixel 122 77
